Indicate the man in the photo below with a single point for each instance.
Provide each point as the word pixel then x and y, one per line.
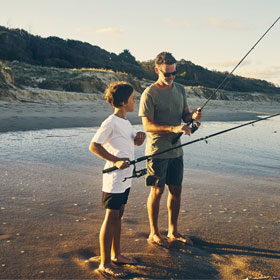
pixel 163 106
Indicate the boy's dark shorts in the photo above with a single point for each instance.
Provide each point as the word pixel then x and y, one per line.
pixel 114 201
pixel 165 171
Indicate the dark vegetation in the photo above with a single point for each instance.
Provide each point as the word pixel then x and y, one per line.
pixel 17 44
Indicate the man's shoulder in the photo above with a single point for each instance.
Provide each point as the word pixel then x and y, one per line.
pixel 150 89
pixel 179 86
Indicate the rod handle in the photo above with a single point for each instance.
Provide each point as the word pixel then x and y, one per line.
pixel 110 169
pixel 194 128
pixel 177 137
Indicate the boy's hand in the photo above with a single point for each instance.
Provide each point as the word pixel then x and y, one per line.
pixel 139 138
pixel 122 163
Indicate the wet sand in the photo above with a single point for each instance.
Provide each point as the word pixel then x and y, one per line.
pixel 50 214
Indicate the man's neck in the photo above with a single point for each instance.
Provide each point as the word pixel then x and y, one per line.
pixel 162 85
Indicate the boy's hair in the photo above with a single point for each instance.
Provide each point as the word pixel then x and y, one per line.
pixel 117 93
pixel 165 58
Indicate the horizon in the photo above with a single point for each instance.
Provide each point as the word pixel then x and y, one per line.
pixel 213 35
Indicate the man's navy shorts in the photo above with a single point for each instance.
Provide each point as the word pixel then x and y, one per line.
pixel 165 171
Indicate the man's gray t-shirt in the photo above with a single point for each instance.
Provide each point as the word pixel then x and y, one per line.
pixel 166 107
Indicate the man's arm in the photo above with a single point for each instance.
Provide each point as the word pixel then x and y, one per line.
pixel 188 116
pixel 150 126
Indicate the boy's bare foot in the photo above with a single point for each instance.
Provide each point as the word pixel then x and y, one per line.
pixel 124 260
pixel 109 271
pixel 158 240
pixel 180 238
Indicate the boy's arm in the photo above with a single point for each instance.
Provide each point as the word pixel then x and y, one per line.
pixel 99 150
pixel 139 138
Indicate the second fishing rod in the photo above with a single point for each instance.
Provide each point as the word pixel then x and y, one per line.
pixel 133 162
pixel 195 125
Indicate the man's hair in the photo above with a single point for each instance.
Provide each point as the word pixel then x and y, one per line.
pixel 117 93
pixel 165 58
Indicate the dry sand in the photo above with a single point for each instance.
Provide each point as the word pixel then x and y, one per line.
pixel 51 215
pixel 45 115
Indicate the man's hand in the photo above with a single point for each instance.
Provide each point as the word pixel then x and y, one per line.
pixel 122 163
pixel 182 129
pixel 196 114
pixel 139 138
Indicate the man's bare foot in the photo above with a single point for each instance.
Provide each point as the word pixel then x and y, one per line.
pixel 109 271
pixel 123 260
pixel 180 238
pixel 158 240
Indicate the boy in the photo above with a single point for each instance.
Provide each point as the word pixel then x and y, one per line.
pixel 114 141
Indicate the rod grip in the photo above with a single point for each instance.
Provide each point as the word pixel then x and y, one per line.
pixel 110 169
pixel 177 137
pixel 194 128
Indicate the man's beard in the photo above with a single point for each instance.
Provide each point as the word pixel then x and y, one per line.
pixel 167 82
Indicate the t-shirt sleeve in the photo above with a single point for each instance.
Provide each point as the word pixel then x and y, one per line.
pixel 103 133
pixel 146 107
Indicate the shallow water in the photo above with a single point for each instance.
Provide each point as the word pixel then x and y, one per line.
pixel 247 150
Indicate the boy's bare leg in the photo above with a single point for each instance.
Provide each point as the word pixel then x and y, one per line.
pixel 153 204
pixel 173 206
pixel 105 238
pixel 116 256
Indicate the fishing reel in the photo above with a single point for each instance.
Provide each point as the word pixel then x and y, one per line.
pixel 136 173
pixel 194 127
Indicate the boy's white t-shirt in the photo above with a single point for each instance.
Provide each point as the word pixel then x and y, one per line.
pixel 116 135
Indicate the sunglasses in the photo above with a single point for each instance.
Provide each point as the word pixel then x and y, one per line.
pixel 166 75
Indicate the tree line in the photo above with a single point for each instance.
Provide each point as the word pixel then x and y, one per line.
pixel 18 44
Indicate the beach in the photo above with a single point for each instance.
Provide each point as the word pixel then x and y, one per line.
pixel 43 114
pixel 50 204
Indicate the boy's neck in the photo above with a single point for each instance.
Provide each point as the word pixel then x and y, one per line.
pixel 120 112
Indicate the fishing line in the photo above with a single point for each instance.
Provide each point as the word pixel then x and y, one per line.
pixel 195 125
pixel 229 74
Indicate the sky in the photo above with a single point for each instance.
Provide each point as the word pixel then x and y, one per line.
pixel 215 34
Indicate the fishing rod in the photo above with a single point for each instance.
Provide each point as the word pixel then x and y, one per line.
pixel 143 171
pixel 195 125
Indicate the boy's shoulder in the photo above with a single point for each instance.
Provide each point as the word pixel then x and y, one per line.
pixel 108 119
pixel 113 120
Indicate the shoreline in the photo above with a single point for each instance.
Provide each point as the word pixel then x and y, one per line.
pixel 35 116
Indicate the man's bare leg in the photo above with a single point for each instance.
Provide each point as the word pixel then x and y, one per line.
pixel 153 204
pixel 173 206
